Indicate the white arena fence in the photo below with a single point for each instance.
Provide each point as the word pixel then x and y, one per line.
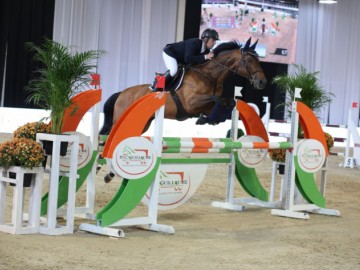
pixel 12 118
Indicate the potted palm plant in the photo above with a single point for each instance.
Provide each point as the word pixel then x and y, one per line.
pixel 62 74
pixel 312 95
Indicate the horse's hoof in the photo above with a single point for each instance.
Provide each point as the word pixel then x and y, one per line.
pixel 107 179
pixel 202 120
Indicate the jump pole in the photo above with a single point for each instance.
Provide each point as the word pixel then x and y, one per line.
pixel 112 215
pixel 354 161
pixel 289 204
pixel 292 204
pixel 238 204
pixel 131 124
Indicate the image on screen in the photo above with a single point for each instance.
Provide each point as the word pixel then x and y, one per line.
pixel 272 22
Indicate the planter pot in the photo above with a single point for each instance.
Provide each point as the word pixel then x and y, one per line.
pixel 48 147
pixel 281 168
pixel 27 176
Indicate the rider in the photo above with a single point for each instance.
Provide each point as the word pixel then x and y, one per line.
pixel 189 51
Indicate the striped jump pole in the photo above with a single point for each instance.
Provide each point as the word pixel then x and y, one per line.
pixel 138 160
pixel 204 145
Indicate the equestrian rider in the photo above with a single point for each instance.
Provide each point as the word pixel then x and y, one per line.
pixel 190 51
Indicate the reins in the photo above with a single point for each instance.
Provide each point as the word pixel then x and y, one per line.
pixel 250 76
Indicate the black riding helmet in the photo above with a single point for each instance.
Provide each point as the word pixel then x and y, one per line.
pixel 210 33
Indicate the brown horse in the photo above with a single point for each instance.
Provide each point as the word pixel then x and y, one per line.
pixel 200 85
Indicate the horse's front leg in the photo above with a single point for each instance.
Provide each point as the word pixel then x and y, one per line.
pixel 201 104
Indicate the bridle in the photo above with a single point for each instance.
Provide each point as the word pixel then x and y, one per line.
pixel 250 76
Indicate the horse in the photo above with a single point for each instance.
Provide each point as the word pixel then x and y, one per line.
pixel 200 87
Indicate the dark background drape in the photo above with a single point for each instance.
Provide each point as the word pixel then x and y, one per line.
pixel 191 30
pixel 21 22
pixel 32 20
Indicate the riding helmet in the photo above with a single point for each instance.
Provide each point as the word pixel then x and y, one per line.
pixel 210 33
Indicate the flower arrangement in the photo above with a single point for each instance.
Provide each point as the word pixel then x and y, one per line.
pixel 21 152
pixel 29 130
pixel 279 154
pixel 329 140
pixel 7 156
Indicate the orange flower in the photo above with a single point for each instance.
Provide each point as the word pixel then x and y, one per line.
pixel 29 130
pixel 21 152
pixel 277 154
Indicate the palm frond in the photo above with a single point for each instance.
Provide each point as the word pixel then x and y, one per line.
pixel 62 74
pixel 312 94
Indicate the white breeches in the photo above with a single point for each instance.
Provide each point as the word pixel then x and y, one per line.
pixel 170 63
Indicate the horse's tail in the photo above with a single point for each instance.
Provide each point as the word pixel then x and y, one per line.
pixel 108 114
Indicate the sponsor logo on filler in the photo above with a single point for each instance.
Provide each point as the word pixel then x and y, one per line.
pixel 174 186
pixel 84 153
pixel 252 158
pixel 173 182
pixel 311 155
pixel 134 158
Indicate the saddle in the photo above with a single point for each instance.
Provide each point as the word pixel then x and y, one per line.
pixel 176 81
pixel 171 87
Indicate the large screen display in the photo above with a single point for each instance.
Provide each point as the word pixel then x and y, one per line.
pixel 272 22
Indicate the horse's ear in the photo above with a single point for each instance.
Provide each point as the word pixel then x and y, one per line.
pixel 254 46
pixel 247 44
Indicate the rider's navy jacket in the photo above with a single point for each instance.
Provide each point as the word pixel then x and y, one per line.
pixel 187 51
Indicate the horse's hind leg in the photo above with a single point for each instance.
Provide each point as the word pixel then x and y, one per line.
pixel 108 114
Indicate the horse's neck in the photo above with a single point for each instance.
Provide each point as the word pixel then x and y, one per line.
pixel 221 67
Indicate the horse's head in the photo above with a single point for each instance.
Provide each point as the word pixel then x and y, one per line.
pixel 243 61
pixel 250 61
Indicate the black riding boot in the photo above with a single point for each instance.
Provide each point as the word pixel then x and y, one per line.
pixel 153 87
pixel 168 79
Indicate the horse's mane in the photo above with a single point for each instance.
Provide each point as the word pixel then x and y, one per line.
pixel 226 46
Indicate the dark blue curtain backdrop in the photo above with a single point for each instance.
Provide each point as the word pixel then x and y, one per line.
pixel 32 20
pixel 21 22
